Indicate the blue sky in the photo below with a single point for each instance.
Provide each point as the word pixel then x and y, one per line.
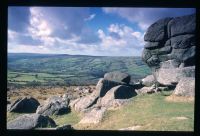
pixel 83 30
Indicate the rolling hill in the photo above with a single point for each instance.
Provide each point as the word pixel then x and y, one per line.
pixel 63 69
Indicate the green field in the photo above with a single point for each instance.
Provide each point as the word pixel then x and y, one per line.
pixel 40 69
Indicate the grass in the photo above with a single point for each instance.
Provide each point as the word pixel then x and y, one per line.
pixel 151 112
pixel 70 118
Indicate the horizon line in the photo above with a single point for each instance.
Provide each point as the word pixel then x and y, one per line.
pixel 68 54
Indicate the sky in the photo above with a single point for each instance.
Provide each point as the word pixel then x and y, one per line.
pixel 83 30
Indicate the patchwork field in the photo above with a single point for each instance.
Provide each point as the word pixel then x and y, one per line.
pixel 38 69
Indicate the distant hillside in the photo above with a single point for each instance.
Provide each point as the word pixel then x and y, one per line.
pixel 45 69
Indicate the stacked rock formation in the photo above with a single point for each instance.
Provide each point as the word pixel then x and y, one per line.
pixel 111 92
pixel 170 49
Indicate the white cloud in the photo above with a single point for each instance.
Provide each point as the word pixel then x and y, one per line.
pixel 144 17
pixel 121 39
pixel 92 16
pixel 39 27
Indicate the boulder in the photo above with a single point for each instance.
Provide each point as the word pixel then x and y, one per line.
pixel 171 76
pixel 94 116
pixel 183 41
pixel 182 25
pixel 157 31
pixel 185 87
pixel 24 105
pixel 118 92
pixel 104 85
pixel 54 106
pixel 148 80
pixel 117 76
pixel 31 121
pixel 85 102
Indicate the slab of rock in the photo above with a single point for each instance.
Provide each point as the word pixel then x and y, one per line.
pixel 117 76
pixel 185 87
pixel 152 45
pixel 157 31
pixel 148 80
pixel 54 106
pixel 171 76
pixel 161 51
pixel 183 41
pixel 182 25
pixel 31 121
pixel 24 105
pixel 94 116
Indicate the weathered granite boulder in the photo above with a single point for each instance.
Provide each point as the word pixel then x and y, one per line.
pixel 171 76
pixel 121 92
pixel 170 49
pixel 104 85
pixel 31 121
pixel 185 87
pixel 25 105
pixel 117 76
pixel 148 80
pixel 54 106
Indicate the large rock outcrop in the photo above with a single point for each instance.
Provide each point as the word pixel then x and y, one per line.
pixel 111 92
pixel 170 49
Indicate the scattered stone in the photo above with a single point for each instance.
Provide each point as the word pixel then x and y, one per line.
pixel 117 76
pixel 185 87
pixel 54 106
pixel 24 105
pixel 31 121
